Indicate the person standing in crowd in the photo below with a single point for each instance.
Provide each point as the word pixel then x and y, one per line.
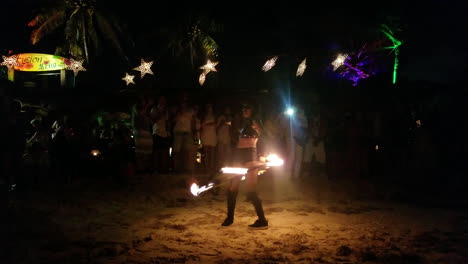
pixel 36 159
pixel 59 151
pixel 39 134
pixel 141 122
pixel 162 140
pixel 271 137
pixel 15 143
pixel 208 139
pixel 245 156
pixel 223 145
pixel 293 126
pixel 314 153
pixel 185 133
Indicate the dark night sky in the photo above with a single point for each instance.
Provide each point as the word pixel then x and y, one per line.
pixel 434 32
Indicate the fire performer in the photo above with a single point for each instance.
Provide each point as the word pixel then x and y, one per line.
pixel 245 154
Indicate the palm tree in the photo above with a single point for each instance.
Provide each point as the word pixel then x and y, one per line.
pixel 186 36
pixel 197 39
pixel 395 47
pixel 83 25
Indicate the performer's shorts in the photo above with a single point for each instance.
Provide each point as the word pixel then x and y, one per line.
pixel 243 155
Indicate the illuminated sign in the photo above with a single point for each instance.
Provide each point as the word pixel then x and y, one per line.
pixel 41 62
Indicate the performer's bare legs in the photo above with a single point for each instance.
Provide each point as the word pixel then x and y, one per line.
pixel 251 181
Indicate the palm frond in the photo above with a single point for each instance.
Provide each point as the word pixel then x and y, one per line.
pixel 92 34
pixel 73 29
pixel 76 51
pixel 208 44
pixel 106 28
pixel 48 25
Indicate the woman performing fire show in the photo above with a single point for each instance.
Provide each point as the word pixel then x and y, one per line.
pixel 248 165
pixel 246 156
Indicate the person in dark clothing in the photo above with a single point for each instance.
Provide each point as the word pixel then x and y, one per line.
pixel 15 143
pixel 59 152
pixel 246 155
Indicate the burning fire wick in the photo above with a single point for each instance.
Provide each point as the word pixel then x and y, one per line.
pixel 271 160
pixel 196 190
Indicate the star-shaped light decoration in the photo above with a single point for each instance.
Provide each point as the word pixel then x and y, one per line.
pixel 269 64
pixel 209 66
pixel 340 59
pixel 128 78
pixel 11 61
pixel 75 66
pixel 202 78
pixel 144 68
pixel 301 68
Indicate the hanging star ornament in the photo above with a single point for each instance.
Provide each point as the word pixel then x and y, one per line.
pixel 75 66
pixel 11 61
pixel 301 68
pixel 202 78
pixel 209 67
pixel 128 78
pixel 340 59
pixel 269 64
pixel 144 68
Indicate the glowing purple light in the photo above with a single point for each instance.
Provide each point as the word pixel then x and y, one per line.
pixel 357 67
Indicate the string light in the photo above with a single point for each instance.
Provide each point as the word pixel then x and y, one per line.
pixel 269 64
pixel 301 68
pixel 144 68
pixel 128 78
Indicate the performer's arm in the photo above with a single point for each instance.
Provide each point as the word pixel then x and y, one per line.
pixel 256 127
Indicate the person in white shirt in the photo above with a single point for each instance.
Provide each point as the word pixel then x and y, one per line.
pixel 185 133
pixel 209 139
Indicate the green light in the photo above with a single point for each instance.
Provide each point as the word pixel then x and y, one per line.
pixel 396 44
pixel 100 120
pixel 395 66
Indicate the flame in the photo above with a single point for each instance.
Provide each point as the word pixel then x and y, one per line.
pixel 231 170
pixel 271 160
pixel 274 160
pixel 95 152
pixel 196 190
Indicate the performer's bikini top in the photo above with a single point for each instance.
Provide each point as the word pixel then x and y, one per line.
pixel 247 130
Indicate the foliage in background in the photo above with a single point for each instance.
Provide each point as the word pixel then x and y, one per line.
pixel 84 27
